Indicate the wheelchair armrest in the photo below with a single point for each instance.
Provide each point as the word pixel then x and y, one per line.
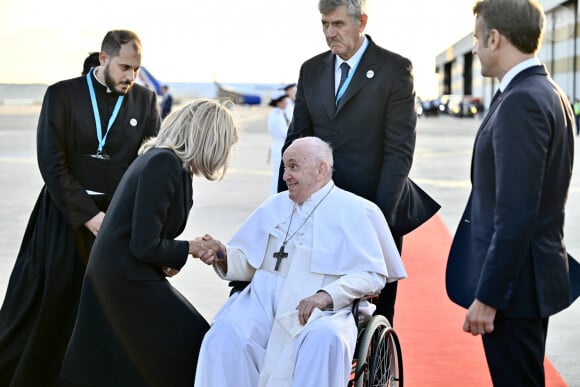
pixel 237 286
pixel 356 304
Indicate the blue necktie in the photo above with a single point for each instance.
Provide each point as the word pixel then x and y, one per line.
pixel 344 67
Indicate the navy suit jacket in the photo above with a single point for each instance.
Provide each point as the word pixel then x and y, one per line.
pixel 508 251
pixel 371 131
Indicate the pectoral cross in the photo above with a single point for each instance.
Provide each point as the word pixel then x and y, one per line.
pixel 279 255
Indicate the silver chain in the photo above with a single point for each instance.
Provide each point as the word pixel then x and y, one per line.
pixel 286 238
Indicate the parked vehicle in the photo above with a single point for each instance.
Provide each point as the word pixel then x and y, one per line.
pixel 445 100
pixel 427 107
pixel 461 105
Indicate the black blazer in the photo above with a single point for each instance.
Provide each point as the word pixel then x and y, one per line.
pixel 372 131
pixel 508 251
pixel 133 328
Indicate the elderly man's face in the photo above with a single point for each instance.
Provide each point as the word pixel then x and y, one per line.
pixel 343 34
pixel 301 173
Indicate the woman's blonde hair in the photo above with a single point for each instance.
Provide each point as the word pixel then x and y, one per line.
pixel 201 134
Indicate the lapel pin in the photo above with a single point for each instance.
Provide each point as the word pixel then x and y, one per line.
pixel 133 122
pixel 370 74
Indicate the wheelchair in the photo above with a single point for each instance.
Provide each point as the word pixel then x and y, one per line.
pixel 378 360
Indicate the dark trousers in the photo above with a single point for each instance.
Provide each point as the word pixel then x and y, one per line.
pixel 386 302
pixel 515 352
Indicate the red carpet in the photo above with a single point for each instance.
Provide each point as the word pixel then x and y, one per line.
pixel 436 351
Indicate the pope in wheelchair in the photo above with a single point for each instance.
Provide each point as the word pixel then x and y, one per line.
pixel 309 252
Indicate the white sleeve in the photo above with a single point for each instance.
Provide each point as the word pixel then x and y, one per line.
pixel 347 288
pixel 236 268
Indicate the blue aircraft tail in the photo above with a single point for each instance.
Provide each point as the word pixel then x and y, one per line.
pixel 238 96
pixel 147 79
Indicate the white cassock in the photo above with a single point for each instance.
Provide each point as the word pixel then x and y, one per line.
pixel 344 248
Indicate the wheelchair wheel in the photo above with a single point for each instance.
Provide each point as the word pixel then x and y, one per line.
pixel 379 361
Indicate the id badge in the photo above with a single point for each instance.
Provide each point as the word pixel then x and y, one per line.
pixel 100 156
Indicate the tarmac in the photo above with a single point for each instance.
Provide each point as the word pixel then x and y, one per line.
pixel 441 167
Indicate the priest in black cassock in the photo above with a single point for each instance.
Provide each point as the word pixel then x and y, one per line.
pixel 89 131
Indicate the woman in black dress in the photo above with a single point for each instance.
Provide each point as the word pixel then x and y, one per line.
pixel 133 328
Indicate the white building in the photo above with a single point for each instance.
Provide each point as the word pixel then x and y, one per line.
pixel 459 71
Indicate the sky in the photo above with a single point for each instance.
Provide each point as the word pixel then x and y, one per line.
pixel 231 41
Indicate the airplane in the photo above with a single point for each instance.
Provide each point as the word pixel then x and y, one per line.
pixel 145 78
pixel 236 95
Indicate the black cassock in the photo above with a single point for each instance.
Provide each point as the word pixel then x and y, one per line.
pixel 41 301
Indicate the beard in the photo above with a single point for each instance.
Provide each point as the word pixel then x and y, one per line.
pixel 112 85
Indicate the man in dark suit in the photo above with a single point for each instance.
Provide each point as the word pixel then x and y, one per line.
pixel 366 111
pixel 508 263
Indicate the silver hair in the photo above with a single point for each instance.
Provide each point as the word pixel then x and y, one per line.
pixel 320 150
pixel 356 8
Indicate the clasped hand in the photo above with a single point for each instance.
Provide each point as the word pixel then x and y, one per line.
pixel 207 249
pixel 479 319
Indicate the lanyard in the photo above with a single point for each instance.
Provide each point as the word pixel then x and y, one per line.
pixel 102 139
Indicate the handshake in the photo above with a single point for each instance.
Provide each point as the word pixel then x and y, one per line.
pixel 207 249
